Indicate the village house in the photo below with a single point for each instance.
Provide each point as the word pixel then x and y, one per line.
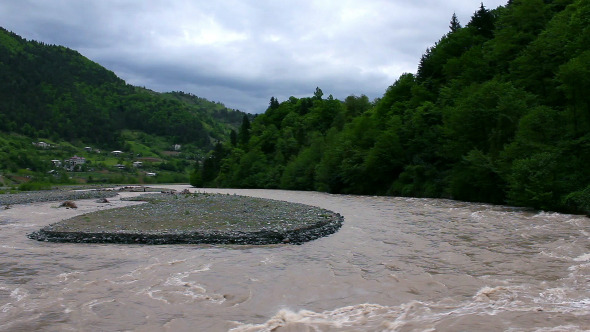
pixel 41 145
pixel 117 153
pixel 72 163
pixel 88 149
pixel 56 163
pixel 137 164
pixel 176 147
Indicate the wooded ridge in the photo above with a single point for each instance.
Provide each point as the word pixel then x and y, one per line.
pixel 497 112
pixel 54 95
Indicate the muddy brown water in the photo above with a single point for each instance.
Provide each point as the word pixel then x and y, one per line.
pixel 397 264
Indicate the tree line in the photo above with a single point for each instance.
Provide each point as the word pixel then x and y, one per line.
pixel 498 111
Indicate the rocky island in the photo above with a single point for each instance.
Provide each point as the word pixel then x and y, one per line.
pixel 173 218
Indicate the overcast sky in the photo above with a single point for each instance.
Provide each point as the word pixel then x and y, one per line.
pixel 242 52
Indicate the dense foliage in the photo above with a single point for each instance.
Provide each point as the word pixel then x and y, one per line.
pixel 54 92
pixel 498 112
pixel 54 95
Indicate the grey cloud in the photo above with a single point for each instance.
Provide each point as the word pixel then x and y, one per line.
pixel 243 52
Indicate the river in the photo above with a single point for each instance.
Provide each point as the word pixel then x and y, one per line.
pixel 397 264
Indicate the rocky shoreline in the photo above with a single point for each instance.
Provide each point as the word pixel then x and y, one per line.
pixel 53 195
pixel 175 218
pixel 265 237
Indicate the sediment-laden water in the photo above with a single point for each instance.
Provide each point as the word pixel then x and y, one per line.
pixel 397 264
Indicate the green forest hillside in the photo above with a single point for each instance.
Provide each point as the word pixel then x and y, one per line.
pixel 53 94
pixel 53 91
pixel 498 112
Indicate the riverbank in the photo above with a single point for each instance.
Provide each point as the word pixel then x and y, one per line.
pixel 6 200
pixel 172 218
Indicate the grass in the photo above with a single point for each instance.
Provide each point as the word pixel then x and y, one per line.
pixel 22 162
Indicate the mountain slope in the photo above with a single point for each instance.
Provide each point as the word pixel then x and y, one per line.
pixel 53 91
pixel 497 112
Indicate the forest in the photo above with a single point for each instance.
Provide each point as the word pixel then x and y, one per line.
pixel 54 92
pixel 498 112
pixel 50 93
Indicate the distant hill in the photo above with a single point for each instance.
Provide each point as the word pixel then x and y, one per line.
pixel 54 92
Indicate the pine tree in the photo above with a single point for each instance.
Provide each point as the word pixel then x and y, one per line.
pixel 483 22
pixel 454 25
pixel 318 93
pixel 274 103
pixel 244 134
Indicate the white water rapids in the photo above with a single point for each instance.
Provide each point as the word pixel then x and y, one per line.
pixel 397 264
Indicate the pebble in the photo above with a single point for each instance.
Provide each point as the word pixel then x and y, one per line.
pixel 52 195
pixel 215 219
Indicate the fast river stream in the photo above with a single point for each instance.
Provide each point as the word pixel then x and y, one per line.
pixel 397 264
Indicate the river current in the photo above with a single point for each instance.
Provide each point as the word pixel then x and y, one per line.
pixel 397 264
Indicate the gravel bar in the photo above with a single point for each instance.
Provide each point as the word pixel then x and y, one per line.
pixel 197 218
pixel 52 195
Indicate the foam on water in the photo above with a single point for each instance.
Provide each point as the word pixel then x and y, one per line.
pixel 583 258
pixel 181 288
pixel 397 264
pixel 429 316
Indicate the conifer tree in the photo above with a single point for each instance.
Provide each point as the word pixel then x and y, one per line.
pixel 318 93
pixel 274 103
pixel 244 134
pixel 482 22
pixel 454 25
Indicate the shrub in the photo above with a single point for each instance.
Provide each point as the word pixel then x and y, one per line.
pixel 33 186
